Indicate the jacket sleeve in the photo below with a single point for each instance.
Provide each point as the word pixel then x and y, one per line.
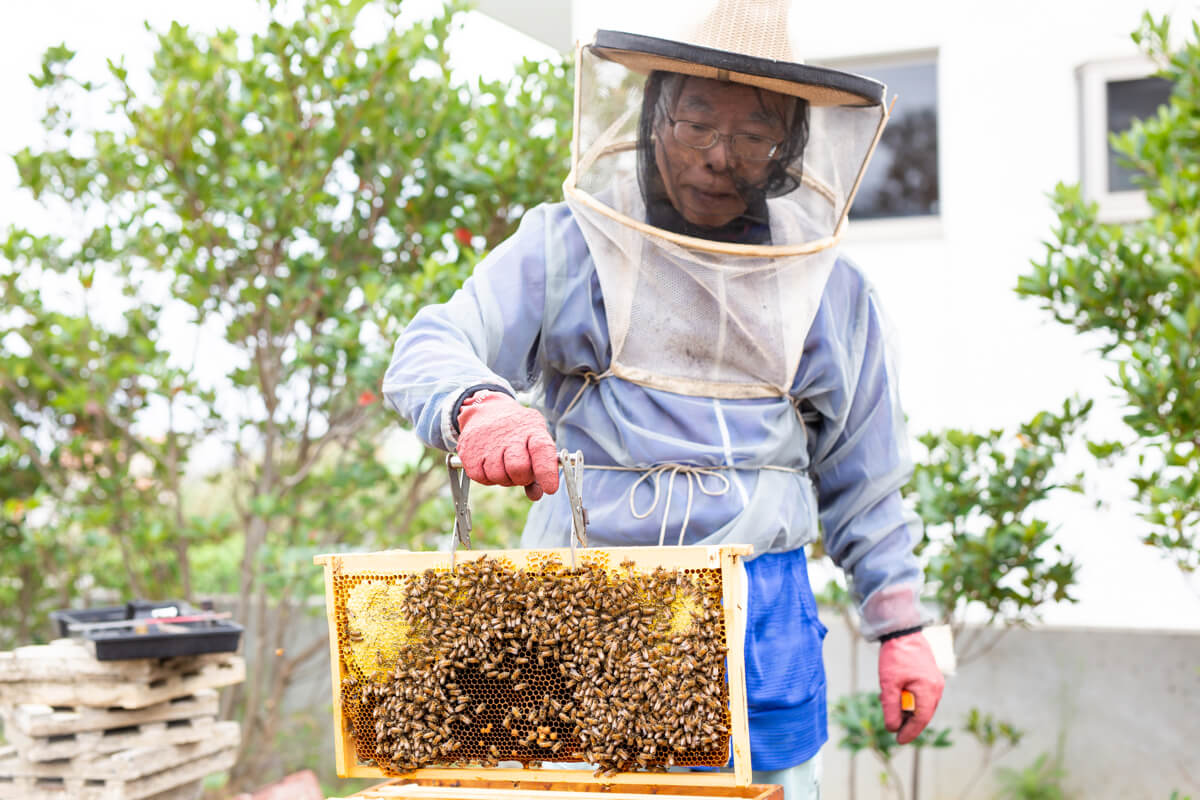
pixel 860 460
pixel 486 334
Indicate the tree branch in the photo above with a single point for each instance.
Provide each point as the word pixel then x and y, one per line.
pixel 342 432
pixel 414 499
pixel 12 427
pixel 181 542
pixel 307 653
pixel 126 556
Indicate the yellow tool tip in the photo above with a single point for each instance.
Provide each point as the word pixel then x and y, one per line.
pixel 907 701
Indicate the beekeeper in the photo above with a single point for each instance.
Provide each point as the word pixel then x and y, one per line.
pixel 685 321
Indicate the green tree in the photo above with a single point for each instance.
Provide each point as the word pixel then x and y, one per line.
pixel 990 558
pixel 1136 287
pixel 27 550
pixel 290 198
pixel 986 549
pixel 860 716
pixel 995 737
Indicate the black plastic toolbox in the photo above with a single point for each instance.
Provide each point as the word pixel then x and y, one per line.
pixel 145 636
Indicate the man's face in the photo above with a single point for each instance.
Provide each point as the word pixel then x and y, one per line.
pixel 701 182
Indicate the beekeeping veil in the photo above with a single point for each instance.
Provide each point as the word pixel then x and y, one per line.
pixel 711 178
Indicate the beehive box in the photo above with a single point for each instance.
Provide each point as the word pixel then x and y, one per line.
pixel 623 661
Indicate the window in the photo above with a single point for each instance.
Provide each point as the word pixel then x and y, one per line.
pixel 902 179
pixel 1112 95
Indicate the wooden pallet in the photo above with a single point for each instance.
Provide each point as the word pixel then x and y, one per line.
pixel 137 690
pixel 481 788
pixel 87 744
pixel 34 720
pixel 191 791
pixel 127 764
pixel 178 782
pixel 74 659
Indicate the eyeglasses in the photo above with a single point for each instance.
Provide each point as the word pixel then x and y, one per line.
pixel 748 146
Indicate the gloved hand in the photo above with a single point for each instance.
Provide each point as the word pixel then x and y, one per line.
pixel 906 662
pixel 503 443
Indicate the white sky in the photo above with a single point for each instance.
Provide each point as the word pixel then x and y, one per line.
pixel 1123 584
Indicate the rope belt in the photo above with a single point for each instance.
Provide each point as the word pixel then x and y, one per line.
pixel 695 475
pixel 589 378
pixel 695 478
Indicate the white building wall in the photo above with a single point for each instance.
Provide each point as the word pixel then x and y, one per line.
pixel 1116 707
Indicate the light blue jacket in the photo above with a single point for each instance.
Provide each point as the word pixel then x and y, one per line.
pixel 532 319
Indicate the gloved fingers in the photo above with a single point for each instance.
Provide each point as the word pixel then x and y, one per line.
pixel 494 472
pixel 472 464
pixel 907 662
pixel 910 730
pixel 927 695
pixel 544 459
pixel 497 472
pixel 518 466
pixel 889 698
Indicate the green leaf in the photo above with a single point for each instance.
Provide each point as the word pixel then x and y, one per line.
pixel 1135 288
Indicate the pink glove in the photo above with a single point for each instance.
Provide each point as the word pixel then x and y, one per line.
pixel 503 443
pixel 906 662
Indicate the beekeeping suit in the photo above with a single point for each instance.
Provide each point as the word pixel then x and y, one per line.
pixel 684 319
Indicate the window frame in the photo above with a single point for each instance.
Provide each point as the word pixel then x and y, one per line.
pixel 1093 77
pixel 914 225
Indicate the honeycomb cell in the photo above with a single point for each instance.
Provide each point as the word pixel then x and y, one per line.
pixel 622 668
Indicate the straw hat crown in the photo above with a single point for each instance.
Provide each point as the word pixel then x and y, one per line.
pixel 752 27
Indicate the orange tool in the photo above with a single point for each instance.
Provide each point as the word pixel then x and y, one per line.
pixel 908 704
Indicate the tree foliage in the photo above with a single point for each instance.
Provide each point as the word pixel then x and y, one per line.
pixel 986 549
pixel 860 716
pixel 283 203
pixel 1136 286
pixel 989 559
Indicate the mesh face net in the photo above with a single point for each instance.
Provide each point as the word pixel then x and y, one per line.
pixel 670 99
pixel 712 262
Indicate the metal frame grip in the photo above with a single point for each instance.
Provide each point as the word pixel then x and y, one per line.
pixel 460 488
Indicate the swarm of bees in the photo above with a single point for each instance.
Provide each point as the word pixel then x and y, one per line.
pixel 619 669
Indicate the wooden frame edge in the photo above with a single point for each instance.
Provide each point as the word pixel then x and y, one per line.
pixel 733 578
pixel 340 743
pixel 718 779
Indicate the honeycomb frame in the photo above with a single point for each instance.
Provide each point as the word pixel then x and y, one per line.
pixel 352 644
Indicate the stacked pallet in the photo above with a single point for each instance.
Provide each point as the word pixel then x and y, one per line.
pixel 85 729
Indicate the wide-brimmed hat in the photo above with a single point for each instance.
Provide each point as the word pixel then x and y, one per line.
pixel 743 41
